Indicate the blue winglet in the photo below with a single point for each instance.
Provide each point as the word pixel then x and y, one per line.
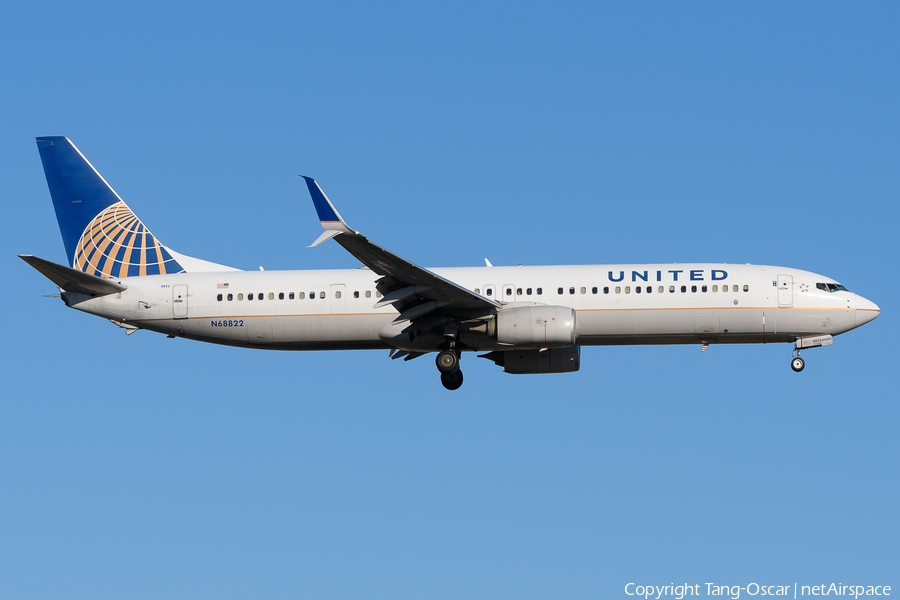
pixel 329 217
pixel 324 207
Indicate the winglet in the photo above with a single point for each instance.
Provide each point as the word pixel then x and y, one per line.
pixel 329 217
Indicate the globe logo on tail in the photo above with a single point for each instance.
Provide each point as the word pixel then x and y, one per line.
pixel 117 244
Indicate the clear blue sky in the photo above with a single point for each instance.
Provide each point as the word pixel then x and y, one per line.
pixel 143 467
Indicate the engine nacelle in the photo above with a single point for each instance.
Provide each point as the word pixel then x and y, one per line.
pixel 536 326
pixel 551 360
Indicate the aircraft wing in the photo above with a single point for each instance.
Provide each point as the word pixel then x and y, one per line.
pixel 413 290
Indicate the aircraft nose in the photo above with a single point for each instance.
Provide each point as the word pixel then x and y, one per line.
pixel 866 311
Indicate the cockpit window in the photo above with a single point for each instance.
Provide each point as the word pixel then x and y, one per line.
pixel 831 287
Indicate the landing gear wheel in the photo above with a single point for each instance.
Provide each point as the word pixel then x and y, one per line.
pixel 447 362
pixel 452 381
pixel 797 364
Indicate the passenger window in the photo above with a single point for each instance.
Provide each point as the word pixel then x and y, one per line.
pixel 649 289
pixel 559 291
pixel 249 296
pixel 368 294
pixel 540 291
pixel 637 289
pixel 661 289
pixel 703 289
pixel 746 288
pixel 356 294
pixel 322 295
pixel 715 288
pixel 683 289
pixel 584 290
pixel 528 291
pixel 240 296
pixel 519 292
pixel 509 291
pixel 337 295
pixel 271 295
pixel 302 295
pixel 477 290
pixel 281 295
pixel 627 289
pixel 606 290
pixel 489 291
pixel 219 297
pixel 312 295
pixel 671 289
pixel 734 288
pixel 259 296
pixel 571 290
pixel 377 294
pixel 693 288
pixel 291 296
pixel 230 297
pixel 593 290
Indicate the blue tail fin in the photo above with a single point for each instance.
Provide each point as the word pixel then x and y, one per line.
pixel 102 235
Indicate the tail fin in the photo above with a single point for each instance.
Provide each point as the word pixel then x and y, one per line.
pixel 101 234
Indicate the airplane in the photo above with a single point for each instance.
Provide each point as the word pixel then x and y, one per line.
pixel 526 319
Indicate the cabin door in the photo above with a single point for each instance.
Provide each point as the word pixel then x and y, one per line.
pixel 785 290
pixel 179 301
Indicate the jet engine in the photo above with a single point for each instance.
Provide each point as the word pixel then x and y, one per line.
pixel 536 326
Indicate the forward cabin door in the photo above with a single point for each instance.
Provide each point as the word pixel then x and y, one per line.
pixel 179 301
pixel 785 290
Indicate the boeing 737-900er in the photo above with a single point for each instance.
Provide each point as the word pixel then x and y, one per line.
pixel 525 319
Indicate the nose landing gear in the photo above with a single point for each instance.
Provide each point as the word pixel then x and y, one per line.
pixel 447 362
pixel 814 341
pixel 797 363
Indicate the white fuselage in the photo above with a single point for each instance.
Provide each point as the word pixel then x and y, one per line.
pixel 614 304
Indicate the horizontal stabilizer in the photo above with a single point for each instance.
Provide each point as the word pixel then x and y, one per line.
pixel 73 280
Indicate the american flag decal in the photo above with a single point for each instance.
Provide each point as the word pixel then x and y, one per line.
pixel 221 286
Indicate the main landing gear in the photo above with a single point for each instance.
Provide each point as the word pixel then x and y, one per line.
pixel 447 362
